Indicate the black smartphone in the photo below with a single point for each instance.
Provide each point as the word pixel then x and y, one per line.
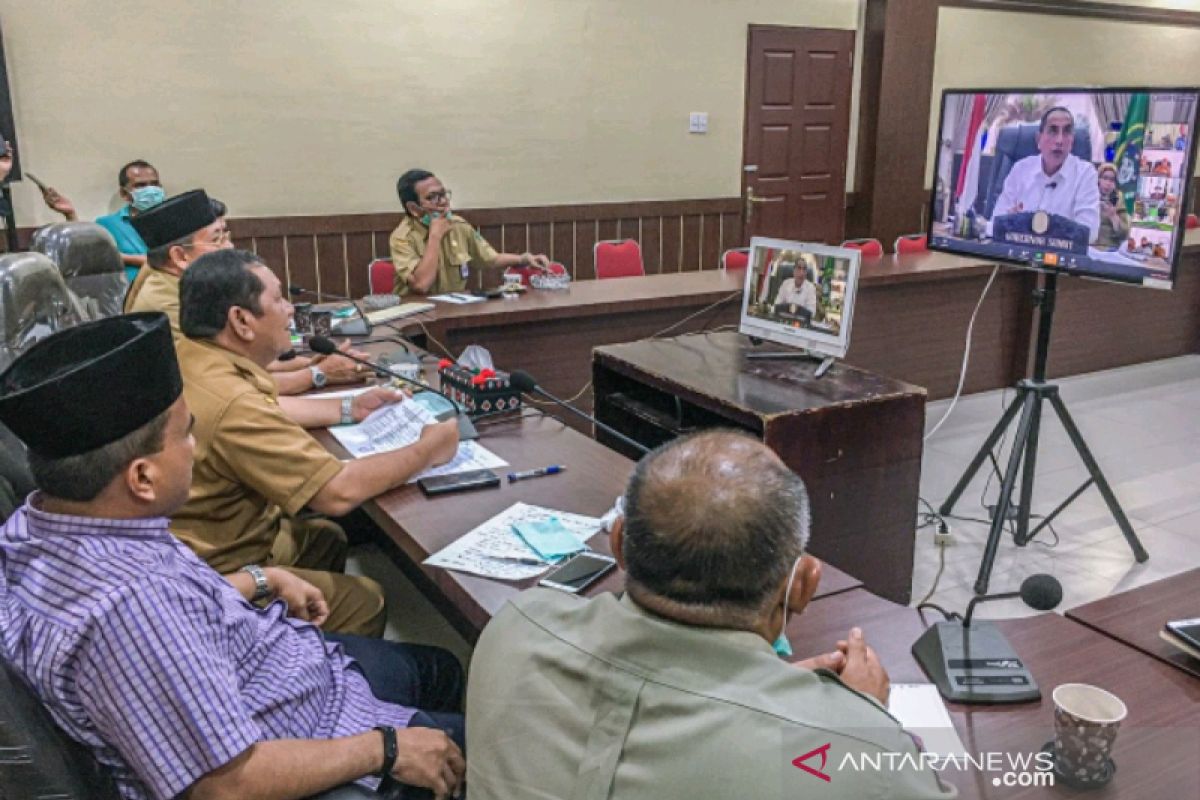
pixel 579 572
pixel 1186 629
pixel 458 482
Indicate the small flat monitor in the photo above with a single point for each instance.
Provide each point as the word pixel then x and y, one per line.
pixel 800 294
pixel 1089 182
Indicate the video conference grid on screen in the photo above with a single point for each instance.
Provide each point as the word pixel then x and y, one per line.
pixel 1086 181
pixel 800 291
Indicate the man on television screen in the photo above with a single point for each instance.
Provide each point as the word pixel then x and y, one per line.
pixel 797 292
pixel 1054 181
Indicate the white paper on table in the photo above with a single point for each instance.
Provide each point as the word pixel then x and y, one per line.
pixel 388 428
pixel 921 711
pixel 471 455
pixel 457 298
pixel 484 549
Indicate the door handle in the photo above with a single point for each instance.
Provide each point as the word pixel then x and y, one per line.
pixel 751 200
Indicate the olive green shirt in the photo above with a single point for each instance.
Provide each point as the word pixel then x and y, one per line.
pixel 254 466
pixel 591 699
pixel 461 247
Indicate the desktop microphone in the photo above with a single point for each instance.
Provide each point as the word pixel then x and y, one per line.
pixel 1040 592
pixel 343 327
pixel 524 382
pixel 326 347
pixel 972 662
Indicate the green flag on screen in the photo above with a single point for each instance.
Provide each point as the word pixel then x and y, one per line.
pixel 1127 151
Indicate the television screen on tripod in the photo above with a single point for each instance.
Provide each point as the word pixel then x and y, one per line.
pixel 1089 182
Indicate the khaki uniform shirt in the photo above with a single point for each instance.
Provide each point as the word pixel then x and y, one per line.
pixel 462 246
pixel 155 290
pixel 596 699
pixel 253 464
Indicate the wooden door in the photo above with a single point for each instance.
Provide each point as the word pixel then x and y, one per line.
pixel 797 132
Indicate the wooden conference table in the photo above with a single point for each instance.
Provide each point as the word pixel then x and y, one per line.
pixel 910 321
pixel 1135 617
pixel 1158 750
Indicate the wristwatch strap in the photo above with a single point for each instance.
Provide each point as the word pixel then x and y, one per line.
pixel 262 589
pixel 319 378
pixel 347 410
pixel 390 750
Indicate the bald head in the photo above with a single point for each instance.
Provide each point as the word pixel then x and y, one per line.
pixel 714 520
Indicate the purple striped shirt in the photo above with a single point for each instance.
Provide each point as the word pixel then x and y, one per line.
pixel 150 658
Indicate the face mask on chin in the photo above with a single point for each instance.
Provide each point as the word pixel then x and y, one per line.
pixel 146 197
pixel 783 647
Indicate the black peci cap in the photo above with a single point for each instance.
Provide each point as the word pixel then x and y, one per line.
pixel 174 218
pixel 90 385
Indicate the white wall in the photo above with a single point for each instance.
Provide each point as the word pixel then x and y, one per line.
pixel 303 107
pixel 981 49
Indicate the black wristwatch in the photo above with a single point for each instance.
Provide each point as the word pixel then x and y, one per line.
pixel 390 750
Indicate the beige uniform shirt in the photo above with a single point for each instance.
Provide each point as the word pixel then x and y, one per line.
pixel 253 464
pixel 596 699
pixel 155 290
pixel 461 247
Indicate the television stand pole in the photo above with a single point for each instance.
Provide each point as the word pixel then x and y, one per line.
pixel 1031 394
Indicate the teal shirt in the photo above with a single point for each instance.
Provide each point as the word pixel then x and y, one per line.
pixel 128 240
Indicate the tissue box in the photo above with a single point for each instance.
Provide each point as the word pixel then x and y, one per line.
pixel 479 391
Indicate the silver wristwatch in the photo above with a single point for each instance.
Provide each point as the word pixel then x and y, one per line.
pixel 347 410
pixel 319 378
pixel 262 589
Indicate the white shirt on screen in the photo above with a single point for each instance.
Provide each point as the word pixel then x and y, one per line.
pixel 804 296
pixel 1072 192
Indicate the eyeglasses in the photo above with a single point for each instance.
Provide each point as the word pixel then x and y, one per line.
pixel 438 197
pixel 219 239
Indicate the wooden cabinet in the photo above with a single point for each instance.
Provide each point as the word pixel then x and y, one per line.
pixel 853 436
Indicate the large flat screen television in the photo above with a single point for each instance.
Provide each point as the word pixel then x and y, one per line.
pixel 800 294
pixel 1089 182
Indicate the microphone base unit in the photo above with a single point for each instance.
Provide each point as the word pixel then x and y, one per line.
pixel 974 664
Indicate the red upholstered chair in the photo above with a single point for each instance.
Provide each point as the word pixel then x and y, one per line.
pixel 381 276
pixel 737 258
pixel 525 273
pixel 911 243
pixel 870 248
pixel 618 258
pixel 1193 221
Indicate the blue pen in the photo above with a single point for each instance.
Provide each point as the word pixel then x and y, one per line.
pixel 553 469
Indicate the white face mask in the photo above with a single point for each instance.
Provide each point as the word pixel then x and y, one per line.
pixel 610 516
pixel 782 646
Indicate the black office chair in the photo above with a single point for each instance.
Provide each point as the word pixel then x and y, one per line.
pixel 1014 143
pixel 40 762
pixel 90 263
pixel 784 272
pixel 37 760
pixel 34 303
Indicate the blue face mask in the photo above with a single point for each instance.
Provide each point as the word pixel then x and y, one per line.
pixel 783 647
pixel 145 197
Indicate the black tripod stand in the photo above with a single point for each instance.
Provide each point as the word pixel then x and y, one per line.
pixel 1031 393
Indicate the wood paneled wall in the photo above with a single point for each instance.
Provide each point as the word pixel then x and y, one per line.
pixel 330 254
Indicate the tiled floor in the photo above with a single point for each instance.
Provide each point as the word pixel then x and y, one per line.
pixel 1143 425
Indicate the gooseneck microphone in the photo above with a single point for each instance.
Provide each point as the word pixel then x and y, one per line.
pixel 524 382
pixel 974 663
pixel 326 347
pixel 345 327
pixel 1040 592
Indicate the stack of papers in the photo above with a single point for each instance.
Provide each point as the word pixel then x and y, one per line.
pixel 399 425
pixel 458 298
pixel 495 550
pixel 920 710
